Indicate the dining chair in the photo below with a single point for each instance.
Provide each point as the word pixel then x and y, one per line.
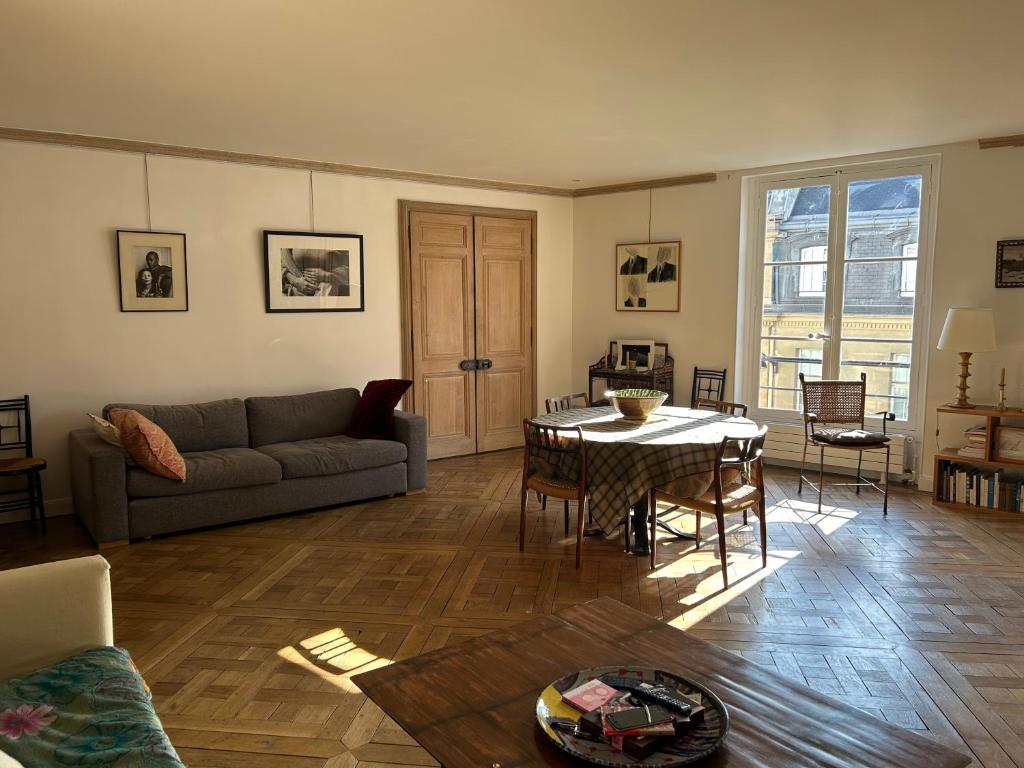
pixel 708 384
pixel 16 436
pixel 567 402
pixel 555 465
pixel 745 492
pixel 722 406
pixel 831 408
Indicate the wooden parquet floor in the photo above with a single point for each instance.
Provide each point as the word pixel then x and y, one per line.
pixel 249 634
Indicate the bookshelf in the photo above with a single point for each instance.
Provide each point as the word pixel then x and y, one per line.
pixel 947 460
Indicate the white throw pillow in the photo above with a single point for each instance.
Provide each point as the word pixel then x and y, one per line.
pixel 6 761
pixel 107 431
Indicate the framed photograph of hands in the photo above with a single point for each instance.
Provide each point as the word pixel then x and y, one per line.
pixel 313 271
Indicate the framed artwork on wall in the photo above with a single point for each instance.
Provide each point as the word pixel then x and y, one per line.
pixel 1010 264
pixel 313 272
pixel 152 272
pixel 647 276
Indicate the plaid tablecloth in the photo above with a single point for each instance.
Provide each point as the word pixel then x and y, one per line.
pixel 675 448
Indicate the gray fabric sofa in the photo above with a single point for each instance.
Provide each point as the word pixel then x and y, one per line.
pixel 244 459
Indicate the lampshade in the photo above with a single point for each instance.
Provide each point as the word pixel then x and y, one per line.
pixel 968 329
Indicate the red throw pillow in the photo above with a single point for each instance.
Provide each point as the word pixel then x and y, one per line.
pixel 374 416
pixel 148 445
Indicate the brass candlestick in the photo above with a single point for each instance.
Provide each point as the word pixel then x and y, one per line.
pixel 1001 404
pixel 965 373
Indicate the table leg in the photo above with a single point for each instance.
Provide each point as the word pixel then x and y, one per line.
pixel 641 545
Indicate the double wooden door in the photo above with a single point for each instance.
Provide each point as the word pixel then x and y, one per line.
pixel 471 311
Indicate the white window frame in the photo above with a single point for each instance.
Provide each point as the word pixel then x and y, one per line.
pixel 752 275
pixel 814 274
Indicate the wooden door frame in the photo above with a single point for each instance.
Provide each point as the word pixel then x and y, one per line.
pixel 405 210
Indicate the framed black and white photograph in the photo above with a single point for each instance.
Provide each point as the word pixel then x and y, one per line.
pixel 634 354
pixel 151 271
pixel 647 276
pixel 1010 264
pixel 313 272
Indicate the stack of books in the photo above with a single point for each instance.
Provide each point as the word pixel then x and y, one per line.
pixel 965 484
pixel 976 438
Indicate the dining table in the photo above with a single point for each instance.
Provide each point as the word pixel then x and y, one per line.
pixel 674 448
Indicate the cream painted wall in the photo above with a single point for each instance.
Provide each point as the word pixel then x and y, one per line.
pixel 981 200
pixel 705 217
pixel 59 208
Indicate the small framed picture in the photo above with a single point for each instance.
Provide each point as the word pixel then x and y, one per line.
pixel 152 271
pixel 313 272
pixel 1010 264
pixel 647 276
pixel 1009 444
pixel 634 354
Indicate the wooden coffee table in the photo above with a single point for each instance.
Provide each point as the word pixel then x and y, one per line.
pixel 471 705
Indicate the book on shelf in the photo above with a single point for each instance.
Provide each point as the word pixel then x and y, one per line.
pixel 974 486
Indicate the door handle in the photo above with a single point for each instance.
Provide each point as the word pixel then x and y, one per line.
pixel 819 336
pixel 485 363
pixel 469 365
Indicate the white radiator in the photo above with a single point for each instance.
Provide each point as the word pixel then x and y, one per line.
pixel 785 442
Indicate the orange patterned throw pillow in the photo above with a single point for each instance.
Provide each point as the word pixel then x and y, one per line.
pixel 148 445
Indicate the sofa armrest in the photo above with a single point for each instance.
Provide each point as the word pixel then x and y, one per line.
pixel 53 611
pixel 411 429
pixel 99 485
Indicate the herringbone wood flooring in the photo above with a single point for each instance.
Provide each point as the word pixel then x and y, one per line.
pixel 248 634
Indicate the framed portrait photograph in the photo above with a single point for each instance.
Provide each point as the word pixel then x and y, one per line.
pixel 1010 264
pixel 313 271
pixel 647 276
pixel 151 271
pixel 634 354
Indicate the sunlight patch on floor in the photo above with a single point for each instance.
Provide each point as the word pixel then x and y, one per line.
pixel 334 657
pixel 828 521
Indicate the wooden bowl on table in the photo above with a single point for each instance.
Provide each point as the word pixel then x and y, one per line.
pixel 636 404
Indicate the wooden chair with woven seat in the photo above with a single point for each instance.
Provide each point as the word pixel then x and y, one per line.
pixel 16 435
pixel 831 408
pixel 722 406
pixel 555 465
pixel 741 458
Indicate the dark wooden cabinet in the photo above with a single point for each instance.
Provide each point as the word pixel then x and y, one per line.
pixel 659 376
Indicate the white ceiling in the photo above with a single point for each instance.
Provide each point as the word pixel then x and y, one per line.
pixel 535 91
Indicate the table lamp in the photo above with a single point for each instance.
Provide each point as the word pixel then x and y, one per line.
pixel 967 328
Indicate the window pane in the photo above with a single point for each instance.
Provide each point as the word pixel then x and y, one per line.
pixel 887 367
pixel 786 303
pixel 781 362
pixel 874 305
pixel 882 215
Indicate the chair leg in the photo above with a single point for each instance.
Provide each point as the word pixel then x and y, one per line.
pixel 803 460
pixel 762 517
pixel 744 517
pixel 721 548
pixel 696 531
pixel 565 515
pixel 543 501
pixel 581 504
pixel 860 458
pixel 885 481
pixel 652 511
pixel 31 496
pixel 629 515
pixel 39 499
pixel 522 519
pixel 821 477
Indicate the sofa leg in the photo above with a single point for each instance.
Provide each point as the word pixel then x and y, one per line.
pixel 106 545
pixel 415 491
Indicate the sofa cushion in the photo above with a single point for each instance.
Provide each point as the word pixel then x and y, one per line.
pixel 288 418
pixel 200 426
pixel 209 471
pixel 333 455
pixel 148 445
pixel 90 709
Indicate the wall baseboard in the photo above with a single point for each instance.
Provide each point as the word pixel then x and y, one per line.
pixel 54 508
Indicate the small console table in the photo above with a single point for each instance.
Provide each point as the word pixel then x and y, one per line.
pixel 659 376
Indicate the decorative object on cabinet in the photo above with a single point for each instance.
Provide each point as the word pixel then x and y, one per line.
pixel 967 330
pixel 659 376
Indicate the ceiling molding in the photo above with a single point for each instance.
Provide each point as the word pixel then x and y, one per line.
pixel 630 186
pixel 174 150
pixel 1002 141
pixel 273 161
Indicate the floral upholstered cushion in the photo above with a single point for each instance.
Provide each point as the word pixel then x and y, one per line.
pixel 92 709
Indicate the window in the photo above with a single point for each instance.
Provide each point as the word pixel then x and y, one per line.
pixel 837 299
pixel 908 270
pixel 812 276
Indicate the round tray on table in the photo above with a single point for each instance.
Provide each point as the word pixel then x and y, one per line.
pixel 698 742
